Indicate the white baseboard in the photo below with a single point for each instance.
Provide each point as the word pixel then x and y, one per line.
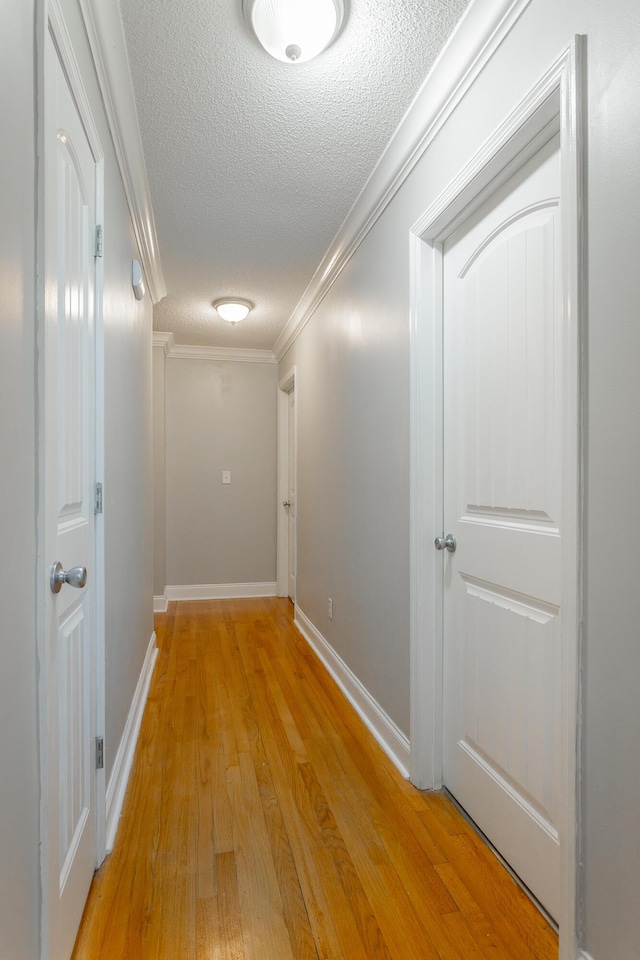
pixel 124 757
pixel 160 603
pixel 219 591
pixel 583 955
pixel 392 740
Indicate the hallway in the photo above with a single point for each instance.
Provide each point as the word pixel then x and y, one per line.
pixel 262 822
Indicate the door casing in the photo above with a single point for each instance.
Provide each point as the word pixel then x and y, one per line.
pixel 553 105
pixel 285 385
pixel 51 22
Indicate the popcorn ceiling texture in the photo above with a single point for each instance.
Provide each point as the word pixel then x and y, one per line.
pixel 253 164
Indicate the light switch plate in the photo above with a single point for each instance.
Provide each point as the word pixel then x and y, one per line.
pixel 226 476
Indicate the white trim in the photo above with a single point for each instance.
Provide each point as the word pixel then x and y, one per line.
pixel 583 955
pixel 425 506
pixel 285 386
pixel 188 351
pixel 389 736
pixel 479 33
pixel 100 549
pixel 513 142
pixel 64 48
pixel 160 604
pixel 219 591
pixel 164 340
pixel 288 382
pixel 123 760
pixel 106 37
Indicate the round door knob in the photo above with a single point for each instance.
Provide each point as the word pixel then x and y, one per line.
pixel 286 503
pixel 75 577
pixel 446 543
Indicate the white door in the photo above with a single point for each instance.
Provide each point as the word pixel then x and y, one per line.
pixel 292 495
pixel 502 493
pixel 69 855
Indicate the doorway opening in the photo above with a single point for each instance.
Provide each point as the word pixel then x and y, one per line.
pixel 497 301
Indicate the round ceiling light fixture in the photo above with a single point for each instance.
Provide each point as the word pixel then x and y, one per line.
pixel 232 309
pixel 294 30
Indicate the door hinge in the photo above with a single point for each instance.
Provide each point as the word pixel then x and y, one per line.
pixel 98 248
pixel 99 753
pixel 97 502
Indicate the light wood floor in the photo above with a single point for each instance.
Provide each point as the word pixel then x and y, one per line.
pixel 262 822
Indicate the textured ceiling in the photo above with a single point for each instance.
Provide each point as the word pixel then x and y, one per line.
pixel 253 164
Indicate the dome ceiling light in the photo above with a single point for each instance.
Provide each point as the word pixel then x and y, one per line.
pixel 232 309
pixel 294 30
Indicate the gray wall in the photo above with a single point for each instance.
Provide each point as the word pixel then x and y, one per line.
pixel 18 747
pixel 159 505
pixel 220 415
pixel 353 409
pixel 353 470
pixel 127 476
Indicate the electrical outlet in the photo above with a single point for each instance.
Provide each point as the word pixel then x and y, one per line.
pixel 330 609
pixel 226 476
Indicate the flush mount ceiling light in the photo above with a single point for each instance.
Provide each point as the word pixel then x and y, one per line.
pixel 232 309
pixel 294 30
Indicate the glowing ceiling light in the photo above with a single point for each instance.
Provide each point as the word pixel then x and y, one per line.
pixel 294 30
pixel 232 309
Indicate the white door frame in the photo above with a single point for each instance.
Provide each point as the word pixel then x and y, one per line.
pixel 51 21
pixel 285 386
pixel 553 105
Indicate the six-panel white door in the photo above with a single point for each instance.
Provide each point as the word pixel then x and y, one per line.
pixel 69 467
pixel 502 486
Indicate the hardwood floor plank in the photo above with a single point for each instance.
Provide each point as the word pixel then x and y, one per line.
pixel 332 922
pixel 293 902
pixel 264 926
pixel 366 921
pixel 293 734
pixel 207 929
pixel 512 915
pixel 262 822
pixel 230 941
pixel 422 933
pixel 481 928
pixel 331 927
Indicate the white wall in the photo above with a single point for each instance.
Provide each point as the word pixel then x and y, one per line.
pixel 353 410
pixel 220 415
pixel 18 747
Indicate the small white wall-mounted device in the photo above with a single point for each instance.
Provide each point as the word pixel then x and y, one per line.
pixel 137 280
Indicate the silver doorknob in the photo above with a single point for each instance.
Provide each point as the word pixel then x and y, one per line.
pixel 75 577
pixel 446 543
pixel 286 503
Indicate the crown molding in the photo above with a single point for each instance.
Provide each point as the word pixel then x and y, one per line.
pixel 106 38
pixel 479 33
pixel 187 351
